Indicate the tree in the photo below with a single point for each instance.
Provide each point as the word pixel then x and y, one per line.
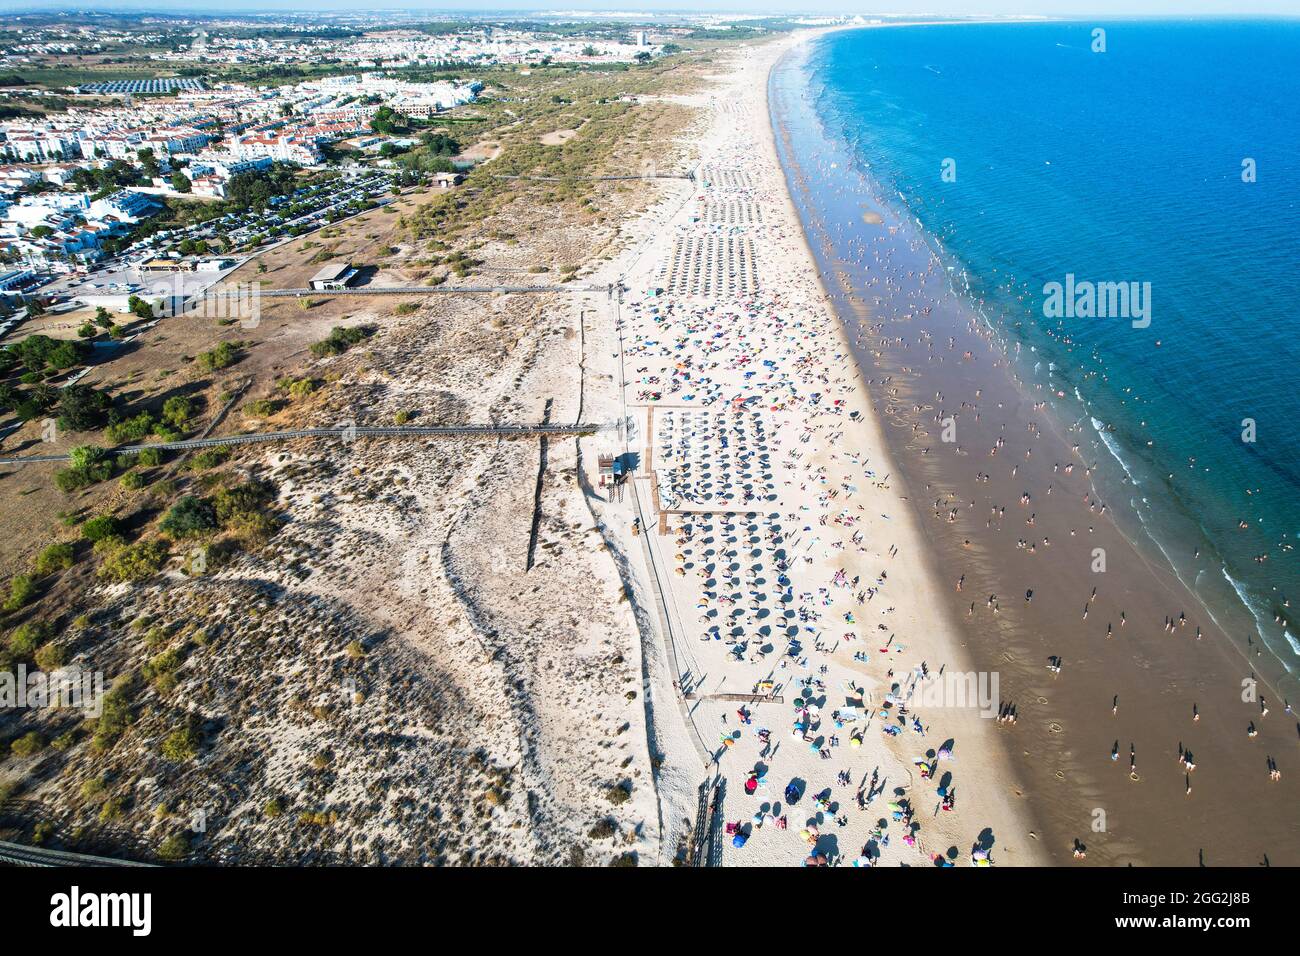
pixel 139 307
pixel 181 183
pixel 148 163
pixel 440 144
pixel 65 355
pixel 82 408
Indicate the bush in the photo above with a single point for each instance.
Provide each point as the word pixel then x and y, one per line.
pixel 300 388
pixel 26 637
pixel 341 339
pixel 134 562
pixel 174 848
pixel 150 457
pixel 209 458
pixel 133 430
pixel 248 498
pixel 260 408
pixel 116 715
pixel 182 744
pixel 50 657
pixel 274 808
pixel 90 464
pixel 111 809
pixel 223 356
pixel 133 481
pixel 178 410
pixel 160 671
pixel 28 745
pixel 22 590
pixel 101 527
pixel 619 793
pixel 57 557
pixel 189 517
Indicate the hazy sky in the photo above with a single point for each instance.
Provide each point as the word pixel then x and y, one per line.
pixel 954 7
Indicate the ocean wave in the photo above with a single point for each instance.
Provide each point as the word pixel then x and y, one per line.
pixel 1113 447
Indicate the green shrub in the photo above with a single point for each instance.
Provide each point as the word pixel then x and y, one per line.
pixel 178 410
pixel 112 809
pixel 341 339
pixel 26 637
pixel 28 745
pixel 131 430
pixel 50 657
pixel 223 356
pixel 161 669
pixel 90 464
pixel 209 458
pixel 260 408
pixel 101 527
pixel 57 557
pixel 174 848
pixel 22 591
pixel 134 562
pixel 116 714
pixel 300 388
pixel 150 457
pixel 189 517
pixel 182 744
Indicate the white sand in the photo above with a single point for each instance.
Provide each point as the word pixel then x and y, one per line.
pixel 692 352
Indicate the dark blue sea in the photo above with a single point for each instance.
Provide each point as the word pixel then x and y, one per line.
pixel 1171 158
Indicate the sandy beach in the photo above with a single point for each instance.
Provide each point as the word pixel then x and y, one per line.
pixel 1142 732
pixel 819 709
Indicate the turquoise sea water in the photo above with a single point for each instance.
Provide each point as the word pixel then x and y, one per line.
pixel 1119 166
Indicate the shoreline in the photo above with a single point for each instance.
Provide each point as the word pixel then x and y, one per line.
pixel 836 465
pixel 1166 529
pixel 1067 787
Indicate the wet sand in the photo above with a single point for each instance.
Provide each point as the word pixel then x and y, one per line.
pixel 930 362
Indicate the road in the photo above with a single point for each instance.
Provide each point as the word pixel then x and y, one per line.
pixel 345 432
pixel 432 290
pixel 15 854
